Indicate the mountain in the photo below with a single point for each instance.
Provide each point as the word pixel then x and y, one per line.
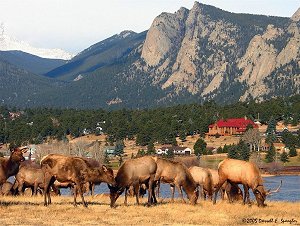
pixel 29 62
pixel 195 55
pixel 11 43
pixel 101 54
pixel 19 87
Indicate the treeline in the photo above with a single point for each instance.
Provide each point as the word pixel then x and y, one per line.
pixel 147 125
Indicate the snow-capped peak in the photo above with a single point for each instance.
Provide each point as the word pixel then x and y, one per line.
pixel 11 43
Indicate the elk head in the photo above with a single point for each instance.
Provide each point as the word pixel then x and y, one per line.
pixel 107 175
pixel 115 192
pixel 261 194
pixel 194 196
pixel 17 154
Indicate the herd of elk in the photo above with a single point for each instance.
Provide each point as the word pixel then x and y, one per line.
pixel 137 175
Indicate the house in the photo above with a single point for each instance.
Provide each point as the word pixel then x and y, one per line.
pixel 231 126
pixel 110 150
pixel 175 149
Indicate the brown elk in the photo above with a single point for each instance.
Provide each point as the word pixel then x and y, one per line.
pixel 91 186
pixel 29 176
pixel 10 166
pixel 203 178
pixel 245 173
pixel 73 170
pixel 134 172
pixel 177 174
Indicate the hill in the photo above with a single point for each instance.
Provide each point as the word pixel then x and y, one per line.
pixel 29 62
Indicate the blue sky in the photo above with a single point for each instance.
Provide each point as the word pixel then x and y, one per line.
pixel 73 25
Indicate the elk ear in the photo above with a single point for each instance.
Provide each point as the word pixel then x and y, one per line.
pixel 104 168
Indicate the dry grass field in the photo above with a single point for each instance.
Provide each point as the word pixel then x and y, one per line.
pixel 30 211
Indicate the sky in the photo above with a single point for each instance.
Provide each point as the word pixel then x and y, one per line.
pixel 74 25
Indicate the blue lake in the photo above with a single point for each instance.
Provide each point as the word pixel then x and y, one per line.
pixel 290 190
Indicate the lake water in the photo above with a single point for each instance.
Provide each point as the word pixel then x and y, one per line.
pixel 290 190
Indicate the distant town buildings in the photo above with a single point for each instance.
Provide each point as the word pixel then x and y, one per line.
pixel 175 149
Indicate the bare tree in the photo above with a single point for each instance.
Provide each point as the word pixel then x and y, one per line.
pixel 252 137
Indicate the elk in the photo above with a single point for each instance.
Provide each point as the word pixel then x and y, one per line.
pixel 134 172
pixel 234 193
pixel 29 176
pixel 245 173
pixel 73 170
pixel 203 178
pixel 10 166
pixel 176 174
pixel 7 189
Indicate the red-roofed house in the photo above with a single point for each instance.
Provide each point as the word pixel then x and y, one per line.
pixel 230 126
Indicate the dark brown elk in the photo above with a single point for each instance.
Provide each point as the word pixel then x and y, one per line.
pixel 203 178
pixel 176 174
pixel 245 173
pixel 134 172
pixel 91 186
pixel 10 166
pixel 72 170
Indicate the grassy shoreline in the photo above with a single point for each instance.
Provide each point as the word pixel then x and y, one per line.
pixel 30 211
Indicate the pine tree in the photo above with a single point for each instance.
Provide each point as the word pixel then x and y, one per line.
pixel 284 157
pixel 232 152
pixel 243 151
pixel 271 154
pixel 150 149
pixel 220 150
pixel 200 147
pixel 293 152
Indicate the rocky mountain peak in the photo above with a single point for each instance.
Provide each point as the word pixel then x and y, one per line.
pixel 296 16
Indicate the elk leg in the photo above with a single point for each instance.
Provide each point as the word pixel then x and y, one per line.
pixel 151 195
pixel 246 194
pixel 180 193
pixel 136 188
pixel 80 187
pixel 125 200
pixel 219 185
pixel 47 180
pixel 172 187
pixel 228 189
pixel 20 187
pixel 35 187
pixel 158 188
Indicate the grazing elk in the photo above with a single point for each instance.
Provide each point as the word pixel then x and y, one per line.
pixel 134 172
pixel 245 173
pixel 73 170
pixel 10 166
pixel 203 178
pixel 176 174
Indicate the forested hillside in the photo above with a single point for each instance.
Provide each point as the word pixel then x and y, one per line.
pixel 148 125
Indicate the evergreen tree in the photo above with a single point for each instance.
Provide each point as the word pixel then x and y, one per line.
pixel 271 129
pixel 150 149
pixel 271 154
pixel 200 147
pixel 182 136
pixel 220 150
pixel 293 151
pixel 170 154
pixel 232 152
pixel 119 149
pixel 284 157
pixel 225 149
pixel 243 151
